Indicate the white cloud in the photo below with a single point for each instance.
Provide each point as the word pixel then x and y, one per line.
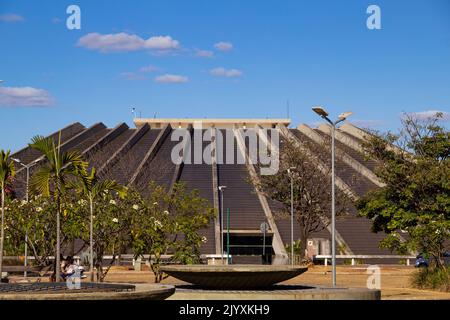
pixel 425 115
pixel 171 78
pixel 24 97
pixel 11 17
pixel 123 42
pixel 223 46
pixel 161 43
pixel 204 53
pixel 222 72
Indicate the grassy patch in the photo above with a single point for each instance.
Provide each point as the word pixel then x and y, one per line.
pixel 432 278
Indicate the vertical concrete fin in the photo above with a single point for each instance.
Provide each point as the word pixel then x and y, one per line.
pixel 131 141
pixel 215 189
pixel 151 153
pixel 358 167
pixel 108 137
pixel 345 139
pixel 179 167
pixel 278 246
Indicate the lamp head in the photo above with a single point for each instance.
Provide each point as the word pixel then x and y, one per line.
pixel 320 111
pixel 345 115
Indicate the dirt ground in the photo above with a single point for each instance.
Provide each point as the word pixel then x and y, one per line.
pixel 395 280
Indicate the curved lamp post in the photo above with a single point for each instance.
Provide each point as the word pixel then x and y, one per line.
pixel 324 114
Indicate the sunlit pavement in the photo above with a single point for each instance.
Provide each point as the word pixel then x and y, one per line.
pixel 395 280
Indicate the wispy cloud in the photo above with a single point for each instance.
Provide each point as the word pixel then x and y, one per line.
pixel 425 115
pixel 140 74
pixel 222 72
pixel 24 97
pixel 171 78
pixel 204 53
pixel 11 17
pixel 367 123
pixel 124 42
pixel 223 46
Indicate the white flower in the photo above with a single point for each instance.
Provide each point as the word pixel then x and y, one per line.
pixel 135 207
pixel 38 209
pixel 115 220
pixel 204 239
pixel 158 224
pixel 112 202
pixel 22 203
pixel 155 203
pixel 166 212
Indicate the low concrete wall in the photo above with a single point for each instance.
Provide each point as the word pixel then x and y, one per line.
pixel 315 293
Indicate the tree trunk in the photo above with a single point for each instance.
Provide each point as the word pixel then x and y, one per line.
pixel 91 240
pixel 2 236
pixel 303 243
pixel 58 242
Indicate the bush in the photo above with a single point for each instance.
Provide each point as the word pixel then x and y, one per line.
pixel 432 278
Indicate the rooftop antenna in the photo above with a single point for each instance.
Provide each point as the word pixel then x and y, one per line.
pixel 287 108
pixel 154 115
pixel 133 111
pixel 140 114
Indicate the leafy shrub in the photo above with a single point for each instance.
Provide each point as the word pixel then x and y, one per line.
pixel 432 278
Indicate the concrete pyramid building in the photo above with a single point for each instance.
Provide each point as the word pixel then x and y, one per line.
pixel 135 156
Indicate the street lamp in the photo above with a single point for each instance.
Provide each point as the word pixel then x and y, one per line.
pixel 221 190
pixel 290 172
pixel 27 167
pixel 324 114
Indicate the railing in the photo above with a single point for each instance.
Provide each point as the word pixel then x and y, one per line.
pixel 353 257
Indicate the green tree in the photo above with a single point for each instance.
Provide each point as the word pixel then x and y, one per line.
pixel 169 223
pixel 415 166
pixel 52 178
pixel 7 171
pixel 90 187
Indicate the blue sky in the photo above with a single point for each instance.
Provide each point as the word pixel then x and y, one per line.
pixel 218 59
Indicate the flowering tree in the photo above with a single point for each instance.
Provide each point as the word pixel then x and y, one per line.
pixel 36 218
pixel 111 225
pixel 90 187
pixel 168 223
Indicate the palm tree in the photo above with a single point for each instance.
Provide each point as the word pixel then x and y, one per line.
pixel 90 187
pixel 52 178
pixel 7 171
